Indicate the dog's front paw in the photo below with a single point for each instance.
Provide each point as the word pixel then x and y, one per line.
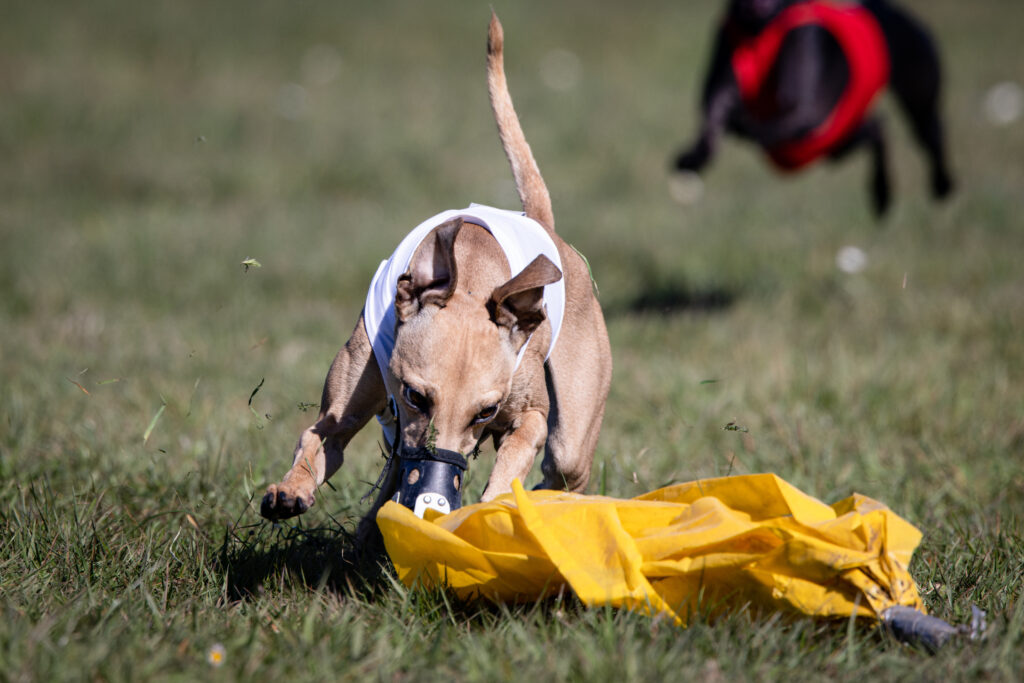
pixel 280 502
pixel 695 158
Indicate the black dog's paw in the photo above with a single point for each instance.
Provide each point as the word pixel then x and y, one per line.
pixel 942 184
pixel 279 504
pixel 695 158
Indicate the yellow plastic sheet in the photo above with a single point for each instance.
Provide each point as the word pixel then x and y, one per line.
pixel 706 545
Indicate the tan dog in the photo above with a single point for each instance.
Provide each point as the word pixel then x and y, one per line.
pixel 458 371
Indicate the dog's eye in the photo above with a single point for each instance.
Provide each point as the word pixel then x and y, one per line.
pixel 485 414
pixel 415 399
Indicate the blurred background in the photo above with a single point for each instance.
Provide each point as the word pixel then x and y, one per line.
pixel 150 148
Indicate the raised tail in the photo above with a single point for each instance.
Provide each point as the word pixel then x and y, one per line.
pixel 533 193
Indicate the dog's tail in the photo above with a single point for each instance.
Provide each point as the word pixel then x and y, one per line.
pixel 533 193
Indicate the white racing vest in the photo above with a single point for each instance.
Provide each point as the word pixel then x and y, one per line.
pixel 521 238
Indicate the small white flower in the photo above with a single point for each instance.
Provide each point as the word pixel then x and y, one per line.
pixel 215 655
pixel 851 259
pixel 1004 103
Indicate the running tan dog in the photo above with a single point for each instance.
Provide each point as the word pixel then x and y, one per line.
pixel 470 342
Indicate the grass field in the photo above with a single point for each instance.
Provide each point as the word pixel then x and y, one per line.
pixel 149 148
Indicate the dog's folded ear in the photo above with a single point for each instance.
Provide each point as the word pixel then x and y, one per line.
pixel 518 305
pixel 432 273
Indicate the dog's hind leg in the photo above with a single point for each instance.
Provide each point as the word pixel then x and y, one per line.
pixel 919 99
pixel 578 376
pixel 872 134
pixel 353 393
pixel 916 81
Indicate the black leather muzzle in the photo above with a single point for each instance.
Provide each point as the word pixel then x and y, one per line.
pixel 430 478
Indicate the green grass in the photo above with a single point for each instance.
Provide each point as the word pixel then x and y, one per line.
pixel 145 156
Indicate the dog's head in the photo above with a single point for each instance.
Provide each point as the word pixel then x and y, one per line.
pixel 753 15
pixel 455 351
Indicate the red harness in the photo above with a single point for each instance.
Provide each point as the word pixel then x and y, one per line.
pixel 863 44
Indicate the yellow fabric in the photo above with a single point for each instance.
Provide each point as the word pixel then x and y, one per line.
pixel 704 545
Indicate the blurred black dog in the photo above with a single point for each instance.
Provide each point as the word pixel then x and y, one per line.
pixel 799 78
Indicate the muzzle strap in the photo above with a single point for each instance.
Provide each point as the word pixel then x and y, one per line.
pixel 436 454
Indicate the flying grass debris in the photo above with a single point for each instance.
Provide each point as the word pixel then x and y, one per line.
pixel 156 418
pixel 195 387
pixel 84 390
pixel 259 425
pixel 251 263
pixel 593 281
pixel 254 391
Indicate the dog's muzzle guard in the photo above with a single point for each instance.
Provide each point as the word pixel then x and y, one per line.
pixel 430 479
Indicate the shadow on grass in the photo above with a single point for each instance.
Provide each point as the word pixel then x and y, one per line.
pixel 289 554
pixel 676 296
pixel 266 557
pixel 663 289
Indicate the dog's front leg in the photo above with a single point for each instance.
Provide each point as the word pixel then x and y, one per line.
pixel 718 112
pixel 353 393
pixel 317 456
pixel 720 100
pixel 516 453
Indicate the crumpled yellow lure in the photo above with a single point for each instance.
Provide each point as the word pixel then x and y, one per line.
pixel 701 546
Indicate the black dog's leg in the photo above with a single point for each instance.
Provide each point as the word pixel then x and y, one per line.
pixel 920 102
pixel 881 192
pixel 871 133
pixel 916 81
pixel 714 122
pixel 719 101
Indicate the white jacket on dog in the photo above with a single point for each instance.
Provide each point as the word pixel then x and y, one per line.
pixel 521 238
